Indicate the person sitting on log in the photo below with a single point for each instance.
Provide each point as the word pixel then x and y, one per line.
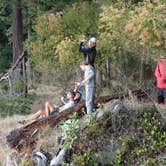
pixel 51 108
pixel 78 93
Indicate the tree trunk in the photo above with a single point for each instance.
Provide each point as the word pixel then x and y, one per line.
pixel 98 81
pixel 20 72
pixel 108 69
pixel 141 77
pixel 29 60
pixel 17 30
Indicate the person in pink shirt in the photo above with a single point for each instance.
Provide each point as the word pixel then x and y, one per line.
pixel 160 74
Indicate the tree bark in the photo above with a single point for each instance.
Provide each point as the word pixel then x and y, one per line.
pixel 17 30
pixel 29 60
pixel 20 71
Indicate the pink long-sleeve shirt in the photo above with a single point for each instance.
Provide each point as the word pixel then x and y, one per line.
pixel 160 73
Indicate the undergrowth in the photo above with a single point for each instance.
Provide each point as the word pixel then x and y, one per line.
pixel 141 139
pixel 146 145
pixel 15 105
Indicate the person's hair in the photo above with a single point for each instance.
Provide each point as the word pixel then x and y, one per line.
pixel 71 92
pixel 83 63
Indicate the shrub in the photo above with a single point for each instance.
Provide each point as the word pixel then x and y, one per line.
pixel 12 105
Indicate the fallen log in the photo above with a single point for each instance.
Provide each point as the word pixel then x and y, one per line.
pixel 27 136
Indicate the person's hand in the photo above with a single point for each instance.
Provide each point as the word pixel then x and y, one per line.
pixel 62 98
pixel 83 40
pixel 78 83
pixel 84 82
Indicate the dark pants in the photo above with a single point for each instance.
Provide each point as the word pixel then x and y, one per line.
pixel 161 95
pixel 55 110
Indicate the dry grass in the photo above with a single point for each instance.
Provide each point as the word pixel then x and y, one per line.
pixel 47 140
pixel 45 93
pixel 6 125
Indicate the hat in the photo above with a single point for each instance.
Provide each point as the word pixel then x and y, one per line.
pixel 92 39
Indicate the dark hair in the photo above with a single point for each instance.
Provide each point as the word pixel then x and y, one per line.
pixel 83 63
pixel 71 92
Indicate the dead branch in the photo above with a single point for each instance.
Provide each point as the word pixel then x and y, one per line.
pixel 5 76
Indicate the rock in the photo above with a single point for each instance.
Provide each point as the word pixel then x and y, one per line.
pixel 113 106
pixel 40 159
pixel 108 154
pixel 59 159
pixel 9 161
pixel 99 114
pixel 57 144
pixel 85 120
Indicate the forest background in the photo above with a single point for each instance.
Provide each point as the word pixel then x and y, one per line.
pixel 39 59
pixel 130 38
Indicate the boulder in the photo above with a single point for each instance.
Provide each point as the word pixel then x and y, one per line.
pixel 59 159
pixel 40 159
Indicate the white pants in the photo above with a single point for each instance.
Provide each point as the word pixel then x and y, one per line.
pixel 90 95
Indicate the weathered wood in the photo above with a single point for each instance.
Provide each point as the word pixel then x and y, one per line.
pixel 27 135
pixel 9 73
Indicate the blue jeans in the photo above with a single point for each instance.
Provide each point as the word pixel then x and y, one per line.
pixel 90 95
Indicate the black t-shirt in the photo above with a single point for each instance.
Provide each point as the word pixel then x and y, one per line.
pixel 89 53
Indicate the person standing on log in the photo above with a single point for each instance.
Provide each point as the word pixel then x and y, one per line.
pixel 160 74
pixel 90 51
pixel 90 85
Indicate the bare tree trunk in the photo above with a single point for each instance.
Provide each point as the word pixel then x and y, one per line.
pixel 141 78
pixel 20 72
pixel 17 30
pixel 108 69
pixel 98 81
pixel 29 61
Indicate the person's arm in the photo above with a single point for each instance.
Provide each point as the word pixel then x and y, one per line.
pixel 89 76
pixel 157 71
pixel 83 49
pixel 63 101
pixel 77 96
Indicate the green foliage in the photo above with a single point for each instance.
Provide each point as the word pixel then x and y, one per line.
pixel 81 19
pixel 5 48
pixel 19 105
pixel 150 141
pixel 88 158
pixel 129 37
pixel 5 57
pixel 57 36
pixel 135 31
pixel 69 130
pixel 27 162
